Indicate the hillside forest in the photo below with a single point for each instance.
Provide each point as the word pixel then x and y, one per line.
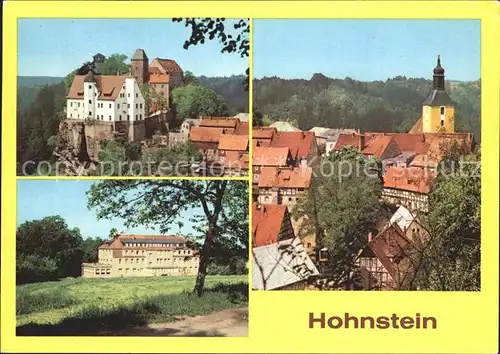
pixel 41 103
pixel 393 105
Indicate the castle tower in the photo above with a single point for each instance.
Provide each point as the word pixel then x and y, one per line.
pixel 140 66
pixel 89 95
pixel 438 110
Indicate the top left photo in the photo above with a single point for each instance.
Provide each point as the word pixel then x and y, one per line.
pixel 133 97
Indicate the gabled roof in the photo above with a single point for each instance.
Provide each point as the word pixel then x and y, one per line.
pixel 281 264
pixel 270 156
pixel 300 143
pixel 108 86
pixel 411 179
pixel 345 140
pixel 284 127
pixel 242 128
pixel 206 135
pixel 159 79
pixel 120 240
pixel 219 122
pixel 403 218
pixel 169 65
pixel 263 133
pixel 236 160
pixel 417 127
pixel 267 221
pixel 378 146
pixel 299 177
pixel 233 142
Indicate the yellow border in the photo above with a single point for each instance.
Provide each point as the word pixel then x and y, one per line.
pixel 468 322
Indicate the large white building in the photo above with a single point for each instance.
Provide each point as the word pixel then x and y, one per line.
pixel 106 98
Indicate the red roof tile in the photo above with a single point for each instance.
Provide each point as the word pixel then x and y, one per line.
pixel 301 144
pixel 159 79
pixel 108 86
pixel 409 179
pixel 263 133
pixel 345 140
pixel 266 223
pixel 270 156
pixel 379 145
pixel 219 122
pixel 285 177
pixel 169 65
pixel 233 142
pixel 236 160
pixel 206 135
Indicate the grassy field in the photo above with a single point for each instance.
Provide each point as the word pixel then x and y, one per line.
pixel 90 305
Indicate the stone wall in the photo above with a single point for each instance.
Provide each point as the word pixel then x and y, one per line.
pixel 158 123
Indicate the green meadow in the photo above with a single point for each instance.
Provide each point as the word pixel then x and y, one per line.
pixel 88 305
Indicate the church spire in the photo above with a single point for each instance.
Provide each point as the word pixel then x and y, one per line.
pixel 438 77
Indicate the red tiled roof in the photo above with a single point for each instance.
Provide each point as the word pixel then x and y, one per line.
pixel 169 65
pixel 285 178
pixel 378 146
pixel 108 86
pixel 206 135
pixel 346 140
pixel 266 223
pixel 270 156
pixel 159 79
pixel 301 144
pixel 236 160
pixel 417 127
pixel 154 70
pixel 116 242
pixel 263 133
pixel 219 122
pixel 242 129
pixel 233 142
pixel 410 179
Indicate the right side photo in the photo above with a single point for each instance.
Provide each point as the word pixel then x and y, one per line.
pixel 366 155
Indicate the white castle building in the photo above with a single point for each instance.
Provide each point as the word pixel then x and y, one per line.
pixel 106 98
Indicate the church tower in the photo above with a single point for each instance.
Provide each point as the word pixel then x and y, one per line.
pixel 140 66
pixel 438 111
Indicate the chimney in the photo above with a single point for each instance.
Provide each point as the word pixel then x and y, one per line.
pixel 370 237
pixel 361 141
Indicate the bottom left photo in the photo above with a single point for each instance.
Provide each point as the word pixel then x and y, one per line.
pixel 132 258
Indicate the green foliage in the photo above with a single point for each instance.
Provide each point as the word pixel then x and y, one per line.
pixel 189 78
pixel 231 90
pixel 38 301
pixel 220 211
pixel 47 249
pixel 90 248
pixel 171 161
pixel 342 208
pixel 191 101
pixel 114 64
pixel 393 105
pixel 94 304
pixel 452 259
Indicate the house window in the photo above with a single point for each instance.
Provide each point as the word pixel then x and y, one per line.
pixel 118 105
pixel 90 113
pixel 120 117
pixel 71 115
pixel 140 116
pixel 110 105
pixel 109 117
pixel 162 86
pixel 71 104
pixel 78 104
pixel 90 87
pixel 140 105
pixel 136 105
pixel 136 117
pixel 129 95
pixel 137 95
pixel 128 116
pixel 442 110
pixel 129 105
pixel 90 101
pixel 442 122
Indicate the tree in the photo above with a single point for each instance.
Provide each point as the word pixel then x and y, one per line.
pixel 203 29
pixel 91 247
pixel 189 78
pixel 48 249
pixel 112 233
pixel 220 211
pixel 452 259
pixel 114 64
pixel 342 208
pixel 192 101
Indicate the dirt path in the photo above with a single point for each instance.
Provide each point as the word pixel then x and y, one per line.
pixel 225 323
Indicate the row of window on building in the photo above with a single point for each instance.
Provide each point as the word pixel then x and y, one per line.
pixel 169 245
pixel 101 105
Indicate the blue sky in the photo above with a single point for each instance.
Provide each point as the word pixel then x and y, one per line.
pixel 366 49
pixel 55 47
pixel 40 198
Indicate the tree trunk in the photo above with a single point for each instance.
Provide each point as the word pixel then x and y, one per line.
pixel 204 258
